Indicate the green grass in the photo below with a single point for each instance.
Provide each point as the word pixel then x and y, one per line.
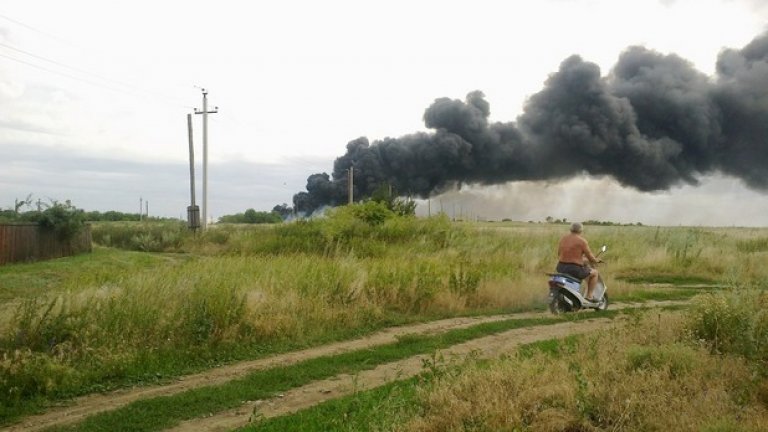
pixel 369 410
pixel 102 266
pixel 656 295
pixel 164 412
pixel 673 279
pixel 381 407
pixel 114 318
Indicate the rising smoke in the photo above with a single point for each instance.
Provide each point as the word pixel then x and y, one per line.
pixel 654 122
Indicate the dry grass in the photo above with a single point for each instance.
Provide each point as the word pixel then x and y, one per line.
pixel 243 287
pixel 640 376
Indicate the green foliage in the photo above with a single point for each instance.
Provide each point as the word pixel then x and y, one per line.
pixel 734 322
pixel 465 280
pixel 239 291
pixel 608 223
pixel 365 229
pixel 676 359
pixel 399 206
pixel 684 248
pixel 26 375
pixel 165 236
pixel 370 212
pixel 63 219
pixel 111 216
pixel 252 216
pixel 164 412
pixel 8 216
pixel 753 245
pixel 674 279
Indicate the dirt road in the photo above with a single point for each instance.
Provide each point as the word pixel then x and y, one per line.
pixel 319 391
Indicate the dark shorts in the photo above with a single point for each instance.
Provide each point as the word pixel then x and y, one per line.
pixel 575 270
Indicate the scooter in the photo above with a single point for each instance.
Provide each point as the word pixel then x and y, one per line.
pixel 566 293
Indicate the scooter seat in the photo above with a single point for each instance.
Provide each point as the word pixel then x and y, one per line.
pixel 567 276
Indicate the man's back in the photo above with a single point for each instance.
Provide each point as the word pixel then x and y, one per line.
pixel 571 249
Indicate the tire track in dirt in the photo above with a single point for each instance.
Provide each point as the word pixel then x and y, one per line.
pixel 80 408
pixel 346 384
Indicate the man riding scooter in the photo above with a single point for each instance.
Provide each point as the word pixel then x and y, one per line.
pixel 572 251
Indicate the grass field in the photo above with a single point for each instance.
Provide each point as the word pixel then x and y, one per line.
pixel 154 302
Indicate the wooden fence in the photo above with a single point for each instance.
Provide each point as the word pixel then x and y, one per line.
pixel 29 242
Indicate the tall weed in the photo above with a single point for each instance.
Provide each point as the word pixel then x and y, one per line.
pixel 733 322
pixel 307 281
pixel 642 375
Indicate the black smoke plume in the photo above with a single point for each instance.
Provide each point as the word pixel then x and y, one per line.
pixel 652 123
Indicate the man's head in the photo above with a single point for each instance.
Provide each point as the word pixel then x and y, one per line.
pixel 576 228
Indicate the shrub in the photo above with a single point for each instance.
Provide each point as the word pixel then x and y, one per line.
pixel 167 236
pixel 734 322
pixel 63 219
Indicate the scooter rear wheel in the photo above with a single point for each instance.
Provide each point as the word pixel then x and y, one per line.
pixel 557 304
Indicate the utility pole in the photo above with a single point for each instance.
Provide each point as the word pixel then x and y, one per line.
pixel 141 208
pixel 350 182
pixel 193 211
pixel 205 113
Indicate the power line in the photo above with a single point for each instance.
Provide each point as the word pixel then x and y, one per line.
pixel 7 18
pixel 87 81
pixel 64 74
pixel 79 70
pixel 57 63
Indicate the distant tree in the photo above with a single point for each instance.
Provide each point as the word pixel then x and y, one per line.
pixel 64 219
pixel 252 216
pixel 21 203
pixel 401 207
pixel 111 216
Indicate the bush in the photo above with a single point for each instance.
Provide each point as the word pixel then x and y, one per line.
pixel 63 219
pixel 165 236
pixel 252 216
pixel 734 322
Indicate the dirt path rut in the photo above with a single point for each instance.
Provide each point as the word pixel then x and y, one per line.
pixel 82 407
pixel 345 384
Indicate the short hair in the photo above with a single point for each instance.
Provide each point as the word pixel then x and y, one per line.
pixel 576 227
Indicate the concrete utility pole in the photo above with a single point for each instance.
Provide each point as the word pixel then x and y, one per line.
pixel 350 183
pixel 205 113
pixel 141 208
pixel 193 211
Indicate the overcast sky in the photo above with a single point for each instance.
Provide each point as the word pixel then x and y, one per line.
pixel 94 95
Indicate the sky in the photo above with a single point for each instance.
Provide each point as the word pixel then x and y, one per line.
pixel 94 96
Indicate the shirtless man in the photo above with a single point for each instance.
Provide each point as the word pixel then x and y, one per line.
pixel 572 250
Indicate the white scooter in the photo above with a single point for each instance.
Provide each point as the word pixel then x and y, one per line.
pixel 566 293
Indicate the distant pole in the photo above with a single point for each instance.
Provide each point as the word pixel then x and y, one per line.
pixel 141 207
pixel 205 159
pixel 191 159
pixel 351 181
pixel 205 113
pixel 146 214
pixel 429 208
pixel 193 211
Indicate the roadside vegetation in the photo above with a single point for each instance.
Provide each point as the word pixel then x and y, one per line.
pixel 703 369
pixel 154 301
